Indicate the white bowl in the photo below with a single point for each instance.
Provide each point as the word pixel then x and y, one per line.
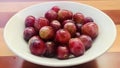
pixel 13 33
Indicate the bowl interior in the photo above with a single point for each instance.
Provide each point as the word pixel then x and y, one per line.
pixel 13 33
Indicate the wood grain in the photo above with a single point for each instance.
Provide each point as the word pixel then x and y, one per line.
pixel 17 6
pixel 4 50
pixel 108 60
pixel 114 14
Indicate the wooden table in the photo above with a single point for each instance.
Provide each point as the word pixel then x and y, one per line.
pixel 109 60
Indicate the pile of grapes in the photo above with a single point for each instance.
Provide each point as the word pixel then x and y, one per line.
pixel 60 33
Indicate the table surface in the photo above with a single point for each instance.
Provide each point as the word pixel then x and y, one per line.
pixel 109 60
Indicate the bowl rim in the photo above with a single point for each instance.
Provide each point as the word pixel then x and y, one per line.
pixel 58 65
